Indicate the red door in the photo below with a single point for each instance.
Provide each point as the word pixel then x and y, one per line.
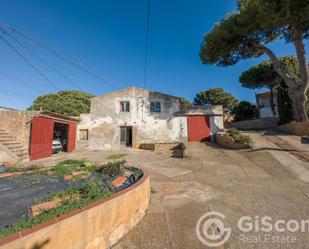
pixel 72 137
pixel 41 137
pixel 198 128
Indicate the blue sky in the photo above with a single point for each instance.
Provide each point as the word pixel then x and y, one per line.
pixel 107 38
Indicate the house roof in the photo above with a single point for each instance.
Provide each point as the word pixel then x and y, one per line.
pixel 57 116
pixel 131 89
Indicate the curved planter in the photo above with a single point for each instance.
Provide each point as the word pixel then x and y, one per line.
pixel 99 225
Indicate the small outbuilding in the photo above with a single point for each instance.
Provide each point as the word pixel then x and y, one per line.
pixel 48 126
pixel 28 135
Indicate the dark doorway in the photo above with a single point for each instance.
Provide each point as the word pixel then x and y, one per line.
pixel 61 134
pixel 126 136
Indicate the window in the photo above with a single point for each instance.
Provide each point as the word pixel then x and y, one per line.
pixel 83 134
pixel 155 107
pixel 124 106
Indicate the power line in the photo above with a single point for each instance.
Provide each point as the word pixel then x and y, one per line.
pixel 146 41
pixel 61 56
pixel 183 21
pixel 26 60
pixel 41 59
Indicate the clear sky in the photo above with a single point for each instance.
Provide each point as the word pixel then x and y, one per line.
pixel 108 38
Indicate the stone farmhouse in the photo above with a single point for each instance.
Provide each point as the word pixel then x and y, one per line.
pixel 137 117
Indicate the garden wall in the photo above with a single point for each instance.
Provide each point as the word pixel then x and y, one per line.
pixel 297 128
pixel 17 123
pixel 256 124
pixel 99 225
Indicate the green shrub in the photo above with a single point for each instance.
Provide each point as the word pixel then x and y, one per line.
pixel 245 111
pixel 238 137
pixel 67 167
pixel 112 169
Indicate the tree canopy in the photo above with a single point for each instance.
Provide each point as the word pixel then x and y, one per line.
pixel 70 103
pixel 215 96
pixel 265 75
pixel 247 32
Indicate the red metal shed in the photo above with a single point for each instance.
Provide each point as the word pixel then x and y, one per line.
pixel 45 127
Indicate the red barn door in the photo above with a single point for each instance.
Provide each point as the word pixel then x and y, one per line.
pixel 72 137
pixel 41 137
pixel 198 128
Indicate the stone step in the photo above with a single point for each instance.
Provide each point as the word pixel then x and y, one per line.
pixel 8 142
pixel 14 146
pixel 19 150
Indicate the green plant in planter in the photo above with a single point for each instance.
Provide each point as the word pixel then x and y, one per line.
pixel 72 198
pixel 238 137
pixel 112 168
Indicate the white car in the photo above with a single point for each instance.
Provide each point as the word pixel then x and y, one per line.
pixel 57 146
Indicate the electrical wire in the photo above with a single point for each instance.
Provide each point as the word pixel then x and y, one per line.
pixel 165 57
pixel 41 59
pixel 61 56
pixel 27 61
pixel 146 41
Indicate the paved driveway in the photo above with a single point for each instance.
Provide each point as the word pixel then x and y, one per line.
pixel 234 183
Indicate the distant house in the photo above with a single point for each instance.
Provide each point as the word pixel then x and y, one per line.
pixel 264 104
pixel 134 117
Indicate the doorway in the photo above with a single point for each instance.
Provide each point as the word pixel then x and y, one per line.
pixel 126 136
pixel 198 128
pixel 61 134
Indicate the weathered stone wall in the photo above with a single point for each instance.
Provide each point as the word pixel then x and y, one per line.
pixel 7 157
pixel 17 123
pixel 99 225
pixel 84 123
pixel 297 128
pixel 256 124
pixel 161 127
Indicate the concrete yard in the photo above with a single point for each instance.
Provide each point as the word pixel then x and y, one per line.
pixel 234 183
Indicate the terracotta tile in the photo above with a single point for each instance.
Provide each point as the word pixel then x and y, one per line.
pixel 119 181
pixel 2 175
pixel 37 209
pixel 68 177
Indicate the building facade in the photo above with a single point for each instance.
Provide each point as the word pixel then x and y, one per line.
pixel 135 116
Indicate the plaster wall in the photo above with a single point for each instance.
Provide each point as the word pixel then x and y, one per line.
pixel 148 127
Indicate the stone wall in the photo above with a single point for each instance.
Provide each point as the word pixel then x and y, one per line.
pixel 17 123
pixel 297 128
pixel 99 225
pixel 6 156
pixel 256 124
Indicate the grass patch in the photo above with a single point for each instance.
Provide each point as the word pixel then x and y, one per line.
pixel 238 137
pixel 116 156
pixel 67 167
pixel 73 198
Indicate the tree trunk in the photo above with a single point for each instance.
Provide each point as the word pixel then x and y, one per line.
pixel 298 93
pixel 272 105
pixel 303 70
pixel 299 105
